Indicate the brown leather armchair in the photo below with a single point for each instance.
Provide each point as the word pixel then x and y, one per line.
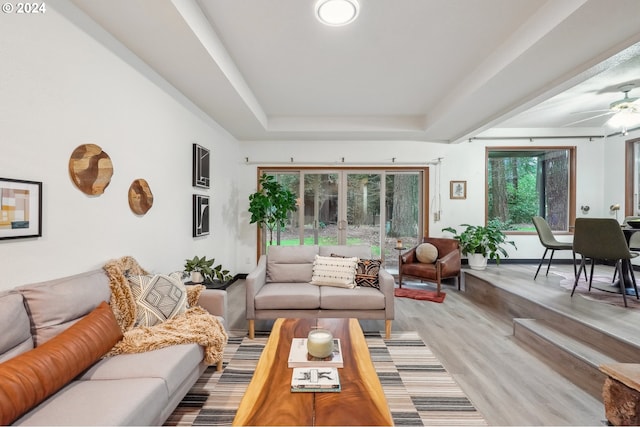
pixel 446 266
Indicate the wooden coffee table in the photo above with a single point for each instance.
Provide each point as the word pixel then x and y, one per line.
pixel 269 401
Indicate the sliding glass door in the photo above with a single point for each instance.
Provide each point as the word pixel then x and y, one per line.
pixel 355 206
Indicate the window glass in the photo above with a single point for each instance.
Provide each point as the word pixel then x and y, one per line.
pixel 523 183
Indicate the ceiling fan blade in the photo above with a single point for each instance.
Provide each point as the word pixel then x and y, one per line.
pixel 589 118
pixel 591 111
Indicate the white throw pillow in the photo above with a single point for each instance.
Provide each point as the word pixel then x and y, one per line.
pixel 427 253
pixel 334 271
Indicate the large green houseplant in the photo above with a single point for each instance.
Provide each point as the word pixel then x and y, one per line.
pixel 270 205
pixel 477 241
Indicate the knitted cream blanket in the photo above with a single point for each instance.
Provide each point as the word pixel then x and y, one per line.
pixel 195 325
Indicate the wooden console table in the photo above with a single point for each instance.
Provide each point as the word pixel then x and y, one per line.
pixel 269 401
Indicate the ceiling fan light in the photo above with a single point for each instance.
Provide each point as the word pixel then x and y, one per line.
pixel 337 12
pixel 624 119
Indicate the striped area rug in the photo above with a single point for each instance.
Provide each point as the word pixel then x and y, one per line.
pixel 418 388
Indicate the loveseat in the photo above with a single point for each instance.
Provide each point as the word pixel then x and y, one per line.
pixel 280 286
pixel 53 336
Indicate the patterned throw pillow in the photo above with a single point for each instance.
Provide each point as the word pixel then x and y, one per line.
pixel 332 271
pixel 367 273
pixel 158 297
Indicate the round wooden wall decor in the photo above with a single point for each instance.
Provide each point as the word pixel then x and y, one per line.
pixel 90 169
pixel 140 197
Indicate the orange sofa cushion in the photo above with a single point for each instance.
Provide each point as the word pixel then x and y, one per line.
pixel 31 377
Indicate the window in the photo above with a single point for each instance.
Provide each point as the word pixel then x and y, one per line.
pixel 533 181
pixel 632 178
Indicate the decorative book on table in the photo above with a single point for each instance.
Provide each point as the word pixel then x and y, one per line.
pixel 299 357
pixel 315 379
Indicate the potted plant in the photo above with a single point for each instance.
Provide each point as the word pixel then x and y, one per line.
pixel 479 242
pixel 271 204
pixel 202 270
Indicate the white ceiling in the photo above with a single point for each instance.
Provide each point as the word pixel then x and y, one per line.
pixel 430 70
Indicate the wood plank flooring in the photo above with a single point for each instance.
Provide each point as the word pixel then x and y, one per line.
pixel 475 343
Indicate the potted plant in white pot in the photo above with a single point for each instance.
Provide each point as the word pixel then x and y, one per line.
pixel 479 242
pixel 202 270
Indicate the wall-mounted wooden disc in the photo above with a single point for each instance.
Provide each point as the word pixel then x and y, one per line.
pixel 140 196
pixel 90 169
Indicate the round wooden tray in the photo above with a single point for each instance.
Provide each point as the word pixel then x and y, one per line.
pixel 140 196
pixel 90 169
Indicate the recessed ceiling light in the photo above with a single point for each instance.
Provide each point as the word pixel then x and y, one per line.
pixel 337 12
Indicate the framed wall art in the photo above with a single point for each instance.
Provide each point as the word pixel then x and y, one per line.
pixel 458 189
pixel 201 174
pixel 20 209
pixel 200 215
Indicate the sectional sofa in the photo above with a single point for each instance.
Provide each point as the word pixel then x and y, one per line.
pixel 280 286
pixel 53 336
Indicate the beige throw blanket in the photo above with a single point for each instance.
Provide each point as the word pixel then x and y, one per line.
pixel 195 325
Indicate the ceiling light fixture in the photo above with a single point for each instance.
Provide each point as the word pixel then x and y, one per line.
pixel 337 12
pixel 624 120
pixel 626 111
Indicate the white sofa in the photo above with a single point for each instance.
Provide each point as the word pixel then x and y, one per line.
pixel 280 286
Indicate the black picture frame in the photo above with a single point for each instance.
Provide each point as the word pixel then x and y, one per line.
pixel 20 209
pixel 201 161
pixel 200 215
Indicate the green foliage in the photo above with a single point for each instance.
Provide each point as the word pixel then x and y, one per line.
pixel 523 200
pixel 486 240
pixel 523 183
pixel 206 268
pixel 271 204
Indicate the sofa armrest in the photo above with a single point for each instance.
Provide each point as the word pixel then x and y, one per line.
pixel 409 256
pixel 451 261
pixel 387 287
pixel 254 281
pixel 214 301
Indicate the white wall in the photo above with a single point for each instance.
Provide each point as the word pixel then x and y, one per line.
pixel 60 88
pixel 600 178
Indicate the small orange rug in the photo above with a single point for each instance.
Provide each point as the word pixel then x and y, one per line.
pixel 420 294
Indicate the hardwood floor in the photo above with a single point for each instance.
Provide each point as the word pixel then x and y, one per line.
pixel 474 340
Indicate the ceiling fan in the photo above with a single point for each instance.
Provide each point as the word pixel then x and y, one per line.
pixel 624 112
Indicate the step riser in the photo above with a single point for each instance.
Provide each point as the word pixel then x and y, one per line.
pixel 584 374
pixel 513 306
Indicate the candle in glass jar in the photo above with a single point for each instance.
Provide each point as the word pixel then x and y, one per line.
pixel 320 343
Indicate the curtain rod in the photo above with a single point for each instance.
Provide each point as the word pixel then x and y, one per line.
pixel 531 138
pixel 342 162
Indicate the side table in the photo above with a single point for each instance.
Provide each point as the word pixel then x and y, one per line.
pixel 212 285
pixel 399 249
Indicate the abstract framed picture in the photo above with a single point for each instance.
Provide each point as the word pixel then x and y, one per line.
pixel 20 209
pixel 201 174
pixel 200 215
pixel 458 190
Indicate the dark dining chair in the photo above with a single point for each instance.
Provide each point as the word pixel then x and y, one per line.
pixel 633 240
pixel 548 240
pixel 603 239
